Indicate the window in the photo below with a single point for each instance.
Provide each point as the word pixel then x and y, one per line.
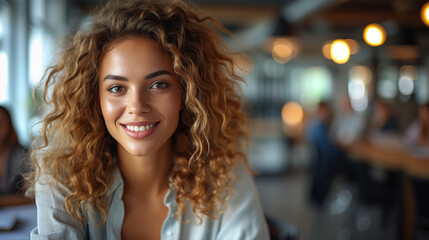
pixel 360 78
pixel 310 85
pixel 4 81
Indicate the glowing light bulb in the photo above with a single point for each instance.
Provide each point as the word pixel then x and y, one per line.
pixel 374 34
pixel 292 113
pixel 326 50
pixel 424 14
pixel 282 51
pixel 340 51
pixel 353 45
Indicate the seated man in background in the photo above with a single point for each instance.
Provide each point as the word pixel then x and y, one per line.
pixel 330 159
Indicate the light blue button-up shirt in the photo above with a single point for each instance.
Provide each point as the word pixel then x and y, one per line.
pixel 243 218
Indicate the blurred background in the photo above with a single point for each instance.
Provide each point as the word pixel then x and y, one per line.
pixel 333 88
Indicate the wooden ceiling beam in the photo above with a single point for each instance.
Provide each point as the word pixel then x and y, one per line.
pixel 352 19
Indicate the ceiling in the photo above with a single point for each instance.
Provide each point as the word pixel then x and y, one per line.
pixel 312 22
pixel 319 15
pixel 338 13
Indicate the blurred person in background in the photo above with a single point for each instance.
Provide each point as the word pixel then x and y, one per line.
pixel 383 128
pixel 383 120
pixel 416 136
pixel 328 156
pixel 331 160
pixel 12 157
pixel 348 125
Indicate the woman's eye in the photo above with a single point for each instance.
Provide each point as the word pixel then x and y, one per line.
pixel 116 89
pixel 159 85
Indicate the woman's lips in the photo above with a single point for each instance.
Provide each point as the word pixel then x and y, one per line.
pixel 139 130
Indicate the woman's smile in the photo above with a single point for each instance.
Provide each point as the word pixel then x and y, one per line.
pixel 140 130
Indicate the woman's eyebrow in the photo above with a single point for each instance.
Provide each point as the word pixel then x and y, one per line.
pixel 115 77
pixel 149 76
pixel 157 73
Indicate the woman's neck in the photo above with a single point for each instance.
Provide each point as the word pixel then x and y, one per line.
pixel 145 176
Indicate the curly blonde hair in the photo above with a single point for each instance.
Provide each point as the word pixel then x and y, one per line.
pixel 75 147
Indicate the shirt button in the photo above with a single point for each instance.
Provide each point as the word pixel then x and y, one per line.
pixel 169 233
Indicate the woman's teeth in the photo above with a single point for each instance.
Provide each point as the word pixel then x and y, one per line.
pixel 139 128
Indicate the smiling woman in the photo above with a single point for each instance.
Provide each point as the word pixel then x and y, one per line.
pixel 143 140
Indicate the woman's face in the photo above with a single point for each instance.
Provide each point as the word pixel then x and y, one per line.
pixel 140 96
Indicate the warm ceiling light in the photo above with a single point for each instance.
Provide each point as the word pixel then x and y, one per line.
pixel 424 14
pixel 353 45
pixel 282 50
pixel 374 34
pixel 292 113
pixel 326 50
pixel 340 51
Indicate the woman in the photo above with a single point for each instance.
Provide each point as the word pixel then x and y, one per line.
pixel 143 139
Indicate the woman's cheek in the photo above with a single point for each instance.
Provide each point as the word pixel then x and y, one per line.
pixel 112 108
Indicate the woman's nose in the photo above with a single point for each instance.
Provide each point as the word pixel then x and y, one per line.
pixel 138 102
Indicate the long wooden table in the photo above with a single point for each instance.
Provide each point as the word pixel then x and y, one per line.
pixel 394 158
pixel 391 158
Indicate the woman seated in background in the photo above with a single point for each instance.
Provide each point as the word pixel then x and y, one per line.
pixel 12 156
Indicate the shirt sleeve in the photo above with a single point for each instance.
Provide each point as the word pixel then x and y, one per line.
pixel 53 220
pixel 243 218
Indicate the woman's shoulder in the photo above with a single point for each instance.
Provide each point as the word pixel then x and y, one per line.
pixel 243 215
pixel 243 186
pixel 57 187
pixel 243 176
